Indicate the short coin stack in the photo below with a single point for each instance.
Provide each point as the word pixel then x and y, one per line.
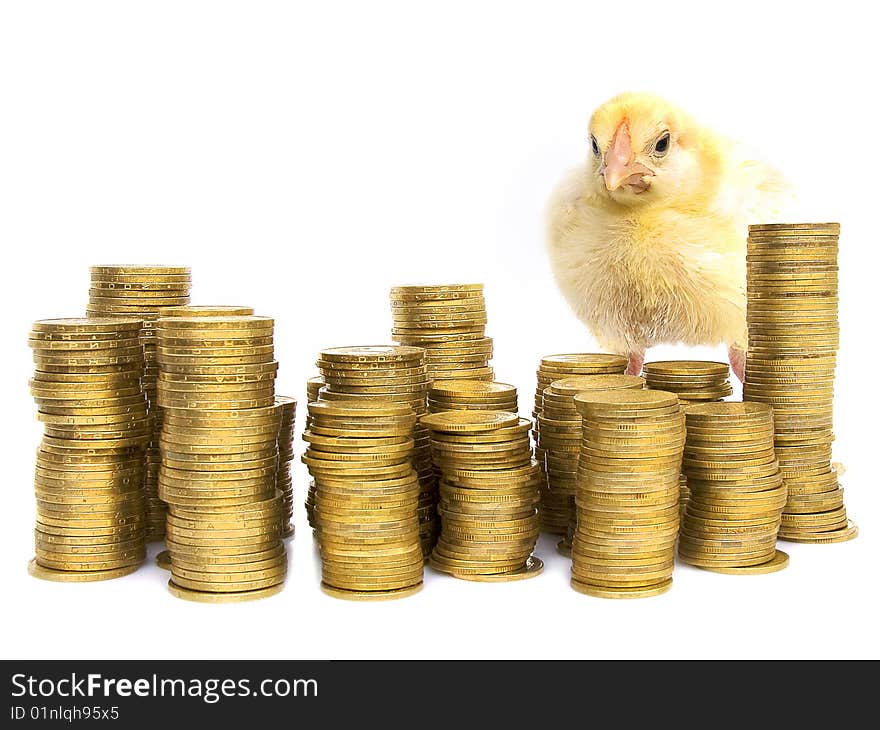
pixel 627 497
pixel 561 432
pixel 284 475
pixel 693 381
pixel 219 457
pixel 388 374
pixel 488 495
pixel 556 508
pixel 89 470
pixel 793 341
pixel 471 395
pixel 737 492
pixel 144 292
pixel 366 499
pixel 449 321
pixel 313 387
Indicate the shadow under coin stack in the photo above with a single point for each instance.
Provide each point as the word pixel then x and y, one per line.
pixel 627 497
pixel 793 339
pixel 366 499
pixel 449 322
pixel 556 508
pixel 471 395
pixel 488 495
pixel 388 374
pixel 313 387
pixel 737 492
pixel 219 457
pixel 561 434
pixel 90 464
pixel 144 292
pixel 693 381
pixel 284 475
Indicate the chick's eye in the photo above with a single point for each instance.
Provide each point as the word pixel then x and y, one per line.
pixel 661 146
pixel 594 145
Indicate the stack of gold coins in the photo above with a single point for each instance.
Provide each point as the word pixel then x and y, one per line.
pixel 471 395
pixel 693 381
pixel 313 388
pixel 219 446
pixel 793 341
pixel 284 475
pixel 488 495
pixel 89 470
pixel 388 374
pixel 449 321
pixel 366 499
pixel 737 492
pixel 163 559
pixel 561 434
pixel 556 509
pixel 144 292
pixel 627 498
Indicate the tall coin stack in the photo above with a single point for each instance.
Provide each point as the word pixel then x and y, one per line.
pixel 284 475
pixel 561 433
pixel 313 388
pixel 144 292
pixel 471 395
pixel 693 381
pixel 449 322
pixel 89 469
pixel 790 364
pixel 219 451
pixel 556 508
pixel 737 492
pixel 388 374
pixel 627 497
pixel 366 499
pixel 488 495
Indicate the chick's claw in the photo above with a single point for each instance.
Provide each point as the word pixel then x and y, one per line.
pixel 636 360
pixel 737 357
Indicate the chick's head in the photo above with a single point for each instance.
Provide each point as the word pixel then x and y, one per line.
pixel 644 149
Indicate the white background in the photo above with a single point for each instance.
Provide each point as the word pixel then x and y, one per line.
pixel 302 157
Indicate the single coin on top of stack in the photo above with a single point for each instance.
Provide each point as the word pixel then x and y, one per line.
pixel 449 322
pixel 471 395
pixel 219 447
pixel 627 495
pixel 313 388
pixel 144 292
pixel 366 499
pixel 737 492
pixel 284 476
pixel 792 293
pixel 90 464
pixel 693 381
pixel 488 495
pixel 556 509
pixel 561 434
pixel 388 374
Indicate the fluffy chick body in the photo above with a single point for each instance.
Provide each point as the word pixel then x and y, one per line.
pixel 667 265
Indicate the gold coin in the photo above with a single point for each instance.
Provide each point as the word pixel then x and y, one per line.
pixel 77 576
pixel 370 595
pixel 469 421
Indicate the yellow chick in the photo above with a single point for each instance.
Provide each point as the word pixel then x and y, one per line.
pixel 647 240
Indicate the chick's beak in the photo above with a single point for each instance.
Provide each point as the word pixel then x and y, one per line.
pixel 620 167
